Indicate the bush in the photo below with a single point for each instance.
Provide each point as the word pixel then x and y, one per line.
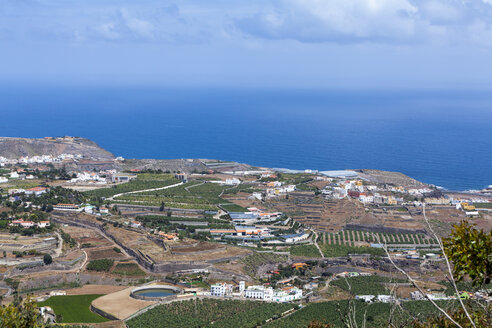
pixel 47 259
pixel 100 265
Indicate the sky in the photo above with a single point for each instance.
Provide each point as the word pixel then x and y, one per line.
pixel 265 43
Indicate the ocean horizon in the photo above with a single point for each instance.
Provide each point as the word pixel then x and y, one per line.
pixel 441 137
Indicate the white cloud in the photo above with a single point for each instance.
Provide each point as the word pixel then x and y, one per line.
pixel 380 21
pixel 243 22
pixel 343 21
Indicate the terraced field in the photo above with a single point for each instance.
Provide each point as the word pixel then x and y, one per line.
pixel 142 182
pixel 360 238
pixel 209 313
pixel 192 195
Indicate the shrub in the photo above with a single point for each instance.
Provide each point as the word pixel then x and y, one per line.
pixel 47 259
pixel 100 265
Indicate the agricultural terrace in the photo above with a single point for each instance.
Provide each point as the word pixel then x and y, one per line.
pixel 128 269
pixel 154 252
pixel 138 241
pixel 358 238
pixel 74 308
pixel 305 251
pixel 143 181
pixel 102 265
pixel 291 178
pixel 191 195
pixel 366 285
pixel 256 260
pixel 334 250
pixel 170 223
pixel 376 314
pixel 209 313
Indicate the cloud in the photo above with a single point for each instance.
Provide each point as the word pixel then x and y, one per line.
pixel 380 21
pixel 111 21
pixel 390 22
pixel 144 24
pixel 344 21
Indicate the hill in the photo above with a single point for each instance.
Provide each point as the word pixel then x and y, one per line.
pixel 13 148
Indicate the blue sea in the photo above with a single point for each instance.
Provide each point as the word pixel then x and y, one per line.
pixel 439 137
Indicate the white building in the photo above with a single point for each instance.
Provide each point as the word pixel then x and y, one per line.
pixel 294 238
pixel 259 293
pixel 121 177
pixel 287 294
pixel 242 286
pixel 136 224
pixel 417 296
pixel 67 207
pixel 365 298
pixel 43 224
pixel 88 209
pixel 366 199
pixel 88 177
pixel 257 195
pixel 22 223
pixel 232 182
pixel 221 289
pixel 385 298
pixel 35 191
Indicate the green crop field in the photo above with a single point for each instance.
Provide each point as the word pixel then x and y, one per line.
pixel 164 222
pixel 376 314
pixel 305 250
pixel 74 308
pixel 233 208
pixel 128 269
pixel 142 182
pixel 100 265
pixel 209 313
pixel 371 285
pixel 192 195
pixel 350 237
pixel 343 250
pixel 483 205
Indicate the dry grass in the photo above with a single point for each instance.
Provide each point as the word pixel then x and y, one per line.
pixel 87 236
pixel 120 304
pixel 104 253
pixel 94 289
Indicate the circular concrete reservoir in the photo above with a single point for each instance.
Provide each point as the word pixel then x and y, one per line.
pixel 155 292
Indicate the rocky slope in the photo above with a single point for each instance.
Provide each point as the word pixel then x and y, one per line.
pixel 395 178
pixel 13 148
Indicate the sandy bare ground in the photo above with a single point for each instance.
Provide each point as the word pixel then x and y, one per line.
pixel 95 289
pixel 111 324
pixel 120 304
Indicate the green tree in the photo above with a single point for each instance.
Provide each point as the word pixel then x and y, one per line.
pixel 23 315
pixel 47 259
pixel 470 250
pixel 480 319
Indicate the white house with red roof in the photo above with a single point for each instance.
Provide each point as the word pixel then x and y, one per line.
pixel 29 224
pixel 22 223
pixel 36 191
